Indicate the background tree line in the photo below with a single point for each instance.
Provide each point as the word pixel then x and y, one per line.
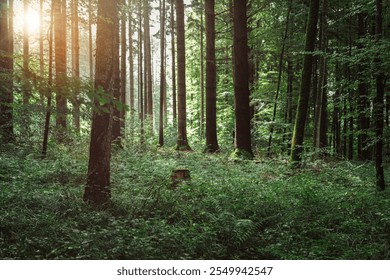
pixel 306 79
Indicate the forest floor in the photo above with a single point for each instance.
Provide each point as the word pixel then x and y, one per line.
pixel 259 209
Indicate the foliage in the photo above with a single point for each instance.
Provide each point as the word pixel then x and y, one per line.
pixel 258 209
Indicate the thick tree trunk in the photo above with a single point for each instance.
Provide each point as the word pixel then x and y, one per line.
pixel 303 103
pixel 211 80
pixel 97 191
pixel 182 142
pixel 6 60
pixel 60 65
pixel 241 80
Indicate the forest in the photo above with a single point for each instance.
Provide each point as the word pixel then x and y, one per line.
pixel 195 129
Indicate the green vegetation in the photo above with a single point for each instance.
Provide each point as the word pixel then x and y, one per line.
pixel 260 209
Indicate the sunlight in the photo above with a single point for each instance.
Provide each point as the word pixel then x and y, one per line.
pixel 32 19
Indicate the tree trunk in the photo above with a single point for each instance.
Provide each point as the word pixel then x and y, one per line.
pixel 182 142
pixel 148 68
pixel 6 60
pixel 201 74
pixel 140 77
pixel 364 99
pixel 26 64
pixel 162 73
pixel 50 84
pixel 241 80
pixel 60 64
pixel 75 63
pixel 303 103
pixel 279 78
pixel 123 72
pixel 116 125
pixel 90 43
pixel 211 80
pixel 174 105
pixel 131 71
pixel 379 102
pixel 97 191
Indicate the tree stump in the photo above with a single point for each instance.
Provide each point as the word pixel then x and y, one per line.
pixel 179 176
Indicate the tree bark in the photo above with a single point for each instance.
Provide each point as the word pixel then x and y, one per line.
pixel 182 141
pixel 211 80
pixel 123 72
pixel 148 67
pixel 174 103
pixel 75 63
pixel 241 79
pixel 131 71
pixel 6 60
pixel 303 103
pixel 60 65
pixel 201 74
pixel 97 191
pixel 116 124
pixel 162 73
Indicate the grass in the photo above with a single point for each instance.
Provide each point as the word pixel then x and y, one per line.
pixel 259 209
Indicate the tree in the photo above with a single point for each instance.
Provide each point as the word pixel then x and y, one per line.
pixel 162 73
pixel 60 65
pixel 116 124
pixel 174 105
pixel 148 67
pixel 123 74
pixel 6 71
pixel 182 141
pixel 303 102
pixel 75 62
pixel 131 69
pixel 241 80
pixel 211 80
pixel 97 191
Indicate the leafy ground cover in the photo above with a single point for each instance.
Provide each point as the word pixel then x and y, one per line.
pixel 259 209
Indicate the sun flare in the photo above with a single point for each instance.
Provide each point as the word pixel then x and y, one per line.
pixel 32 20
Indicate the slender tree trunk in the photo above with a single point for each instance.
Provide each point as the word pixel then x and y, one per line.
pixel 50 84
pixel 140 77
pixel 336 115
pixel 60 65
pixel 97 190
pixel 116 124
pixel 41 31
pixel 162 73
pixel 75 63
pixel 148 67
pixel 364 99
pixel 26 60
pixel 211 80
pixel 201 74
pixel 123 72
pixel 174 105
pixel 182 142
pixel 90 43
pixel 131 71
pixel 321 102
pixel 379 102
pixel 303 103
pixel 241 80
pixel 279 78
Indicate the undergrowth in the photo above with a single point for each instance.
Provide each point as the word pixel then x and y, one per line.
pixel 259 209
